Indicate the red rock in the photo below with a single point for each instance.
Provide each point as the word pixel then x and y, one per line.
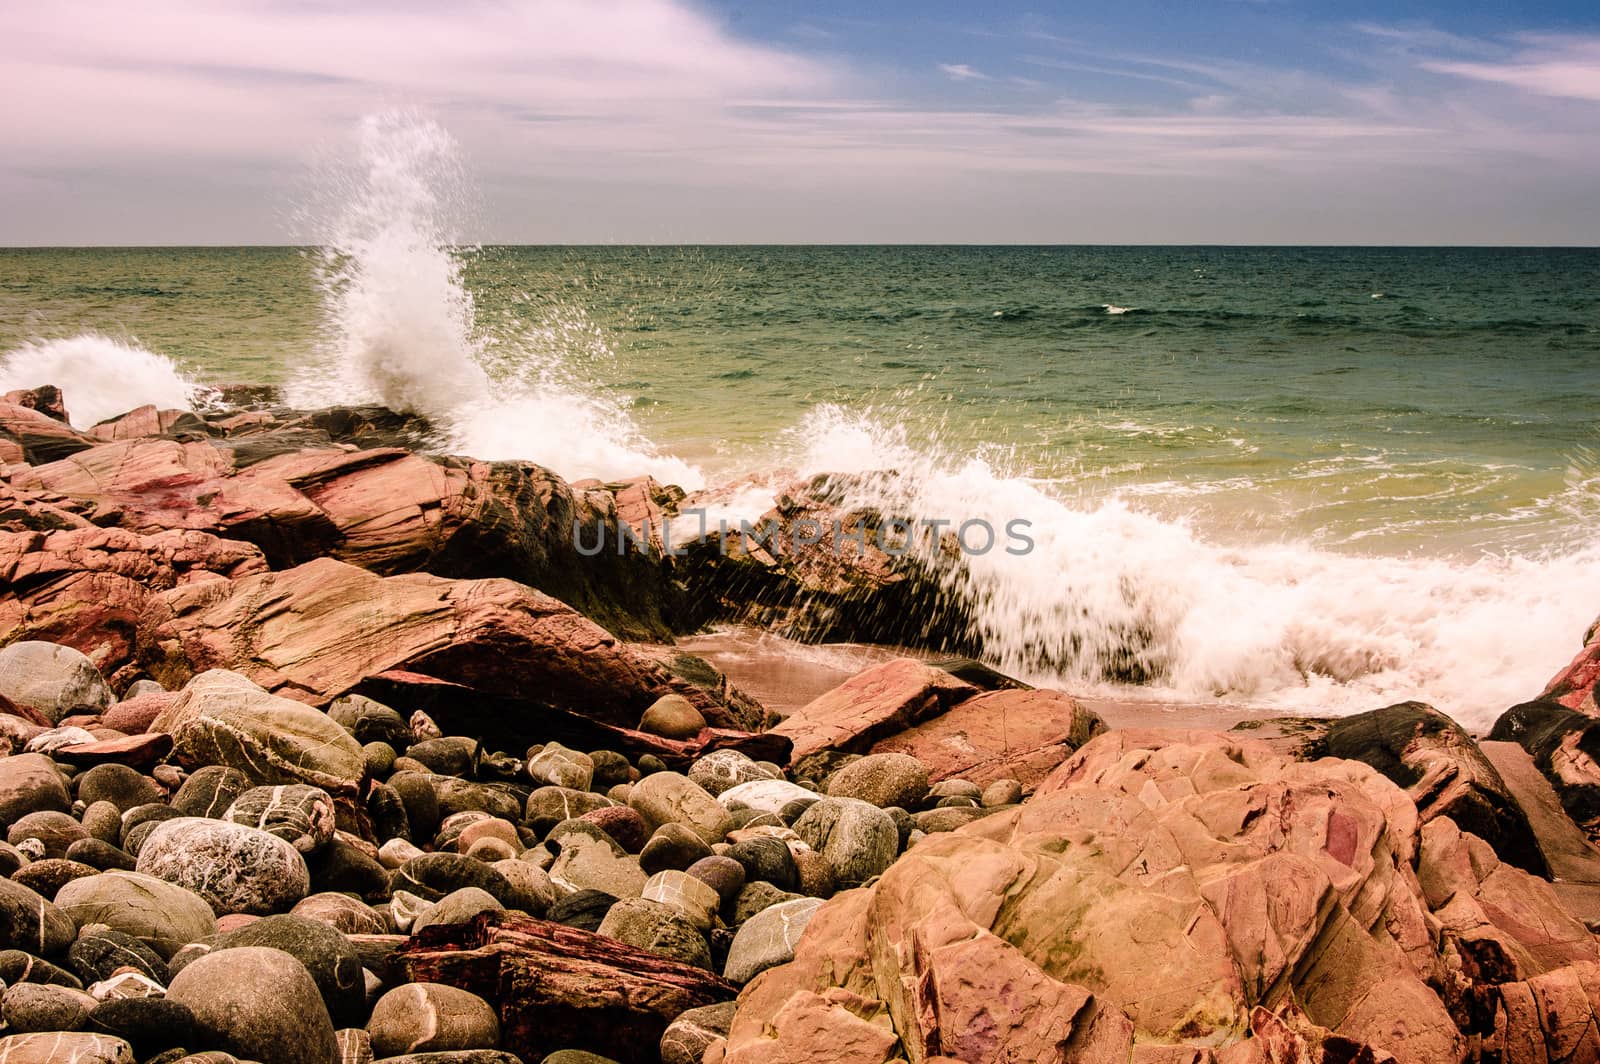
pixel 872 705
pixel 35 437
pixel 85 587
pixel 46 399
pixel 136 751
pixel 318 630
pixel 556 987
pixel 1020 734
pixel 148 421
pixel 134 715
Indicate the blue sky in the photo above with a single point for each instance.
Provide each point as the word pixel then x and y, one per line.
pixel 1232 121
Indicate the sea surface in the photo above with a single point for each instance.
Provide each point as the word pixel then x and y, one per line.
pixel 1314 478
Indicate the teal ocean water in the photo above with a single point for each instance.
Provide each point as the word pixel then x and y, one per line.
pixel 1312 477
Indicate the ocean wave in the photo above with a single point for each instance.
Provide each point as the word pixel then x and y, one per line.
pixel 101 377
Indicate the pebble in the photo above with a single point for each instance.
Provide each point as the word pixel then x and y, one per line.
pixel 431 1017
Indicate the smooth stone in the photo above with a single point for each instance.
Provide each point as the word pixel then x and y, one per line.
pixel 301 815
pixel 672 717
pixel 163 916
pixel 692 897
pixel 768 938
pixel 346 868
pixel 433 875
pixel 142 687
pixel 556 766
pixel 882 780
pixel 947 818
pixel 346 915
pixel 623 824
pixel 531 883
pixel 549 806
pixel 813 873
pixel 722 770
pixel 658 927
pixel 954 788
pixel 58 1047
pixel 55 830
pixel 210 791
pixel 857 839
pixel 766 858
pixel 149 1024
pixel 48 742
pixel 459 1056
pixel 610 769
pixel 488 828
pixel 397 852
pixel 671 798
pixel 444 756
pixel 99 955
pixel 237 869
pixel 29 783
pixel 503 800
pixel 19 966
pixel 672 846
pixel 326 953
pixel 50 875
pixel 56 680
pixel 1001 792
pixel 423 1017
pixel 756 897
pixel 32 1007
pixel 585 910
pixel 222 718
pixel 120 785
pixel 420 799
pixel 457 907
pixel 687 1038
pixel 595 862
pixel 30 922
pixel 369 721
pixel 379 759
pixel 103 821
pixel 258 1004
pixel 576 1056
pixel 723 874
pixel 766 796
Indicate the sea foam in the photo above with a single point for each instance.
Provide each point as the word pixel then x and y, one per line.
pixel 101 377
pixel 401 327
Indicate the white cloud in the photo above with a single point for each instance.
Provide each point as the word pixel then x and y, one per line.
pixel 962 72
pixel 1564 66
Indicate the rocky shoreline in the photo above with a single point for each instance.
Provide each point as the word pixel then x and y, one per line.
pixel 323 748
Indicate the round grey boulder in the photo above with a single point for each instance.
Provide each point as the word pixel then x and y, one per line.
pixel 162 915
pixel 768 938
pixel 259 1004
pixel 431 1017
pixel 236 869
pixel 57 681
pixel 857 839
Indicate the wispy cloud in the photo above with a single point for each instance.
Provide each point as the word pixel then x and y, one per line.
pixel 1548 65
pixel 962 72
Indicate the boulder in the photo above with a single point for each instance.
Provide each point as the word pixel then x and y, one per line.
pixel 316 631
pixel 884 779
pixel 769 938
pixel 163 916
pixel 222 718
pixel 55 680
pixel 1565 746
pixel 78 1047
pixel 872 705
pixel 1009 734
pixel 431 1018
pixel 29 783
pixel 30 922
pixel 33 436
pixel 236 869
pixel 1437 763
pixel 334 964
pixel 857 839
pixel 299 814
pixel 670 798
pixel 258 1004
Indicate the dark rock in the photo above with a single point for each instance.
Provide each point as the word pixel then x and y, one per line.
pixel 449 756
pixel 610 769
pixel 420 799
pixel 725 875
pixel 433 875
pixel 657 927
pixel 33 1007
pixel 387 811
pixel 622 824
pixel 298 813
pixel 673 846
pixel 97 956
pixel 56 830
pixel 150 1025
pixel 210 791
pixel 100 855
pixel 343 868
pixel 119 785
pixel 585 910
pixel 30 922
pixel 369 721
pixel 18 966
pixel 1565 746
pixel 687 1038
pixel 50 875
pixel 326 954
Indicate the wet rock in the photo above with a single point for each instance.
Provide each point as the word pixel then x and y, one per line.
pixel 55 680
pixel 259 1004
pixel 163 916
pixel 872 705
pixel 236 869
pixel 430 1017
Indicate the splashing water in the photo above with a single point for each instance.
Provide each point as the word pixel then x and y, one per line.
pixel 402 329
pixel 101 377
pixel 1109 591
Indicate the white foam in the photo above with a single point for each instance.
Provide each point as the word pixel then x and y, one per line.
pixel 402 329
pixel 1109 586
pixel 100 377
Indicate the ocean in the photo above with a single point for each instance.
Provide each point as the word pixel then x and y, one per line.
pixel 1316 479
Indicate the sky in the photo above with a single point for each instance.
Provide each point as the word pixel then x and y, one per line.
pixel 688 121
